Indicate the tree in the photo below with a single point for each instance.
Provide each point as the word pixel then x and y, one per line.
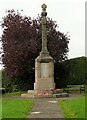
pixel 21 42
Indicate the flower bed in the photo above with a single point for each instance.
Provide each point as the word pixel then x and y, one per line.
pixel 56 91
pixel 49 93
pixel 45 94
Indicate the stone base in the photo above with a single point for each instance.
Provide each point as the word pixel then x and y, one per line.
pixel 60 95
pixel 35 94
pixel 44 95
pixel 44 84
pixel 27 95
pixel 32 92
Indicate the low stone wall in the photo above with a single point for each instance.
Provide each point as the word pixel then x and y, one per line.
pixel 44 94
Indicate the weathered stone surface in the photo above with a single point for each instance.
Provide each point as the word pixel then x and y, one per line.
pixel 44 76
pixel 44 63
pixel 27 95
pixel 31 91
pixel 45 110
pixel 60 95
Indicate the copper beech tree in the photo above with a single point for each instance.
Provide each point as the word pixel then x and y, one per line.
pixel 21 42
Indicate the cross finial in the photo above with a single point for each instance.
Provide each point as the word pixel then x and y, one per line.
pixel 44 6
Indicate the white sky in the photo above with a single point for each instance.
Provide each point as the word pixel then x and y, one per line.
pixel 69 14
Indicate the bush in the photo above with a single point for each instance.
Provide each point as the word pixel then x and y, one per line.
pixel 18 84
pixel 71 72
pixel 7 83
pixel 15 89
pixel 2 90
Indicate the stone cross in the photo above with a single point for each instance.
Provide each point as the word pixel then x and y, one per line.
pixel 44 34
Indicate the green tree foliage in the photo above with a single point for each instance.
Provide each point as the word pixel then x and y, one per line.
pixel 6 82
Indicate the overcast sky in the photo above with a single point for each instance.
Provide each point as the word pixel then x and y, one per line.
pixel 69 14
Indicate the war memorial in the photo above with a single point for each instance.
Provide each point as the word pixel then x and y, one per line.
pixel 44 68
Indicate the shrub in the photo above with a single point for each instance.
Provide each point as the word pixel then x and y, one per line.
pixel 2 90
pixel 73 71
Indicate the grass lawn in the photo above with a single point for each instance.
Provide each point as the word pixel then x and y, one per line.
pixel 73 108
pixel 0 107
pixel 12 94
pixel 16 108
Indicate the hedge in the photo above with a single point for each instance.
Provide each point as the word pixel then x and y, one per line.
pixel 70 72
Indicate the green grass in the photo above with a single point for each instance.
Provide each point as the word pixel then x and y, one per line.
pixel 12 94
pixel 73 108
pixel 0 107
pixel 16 108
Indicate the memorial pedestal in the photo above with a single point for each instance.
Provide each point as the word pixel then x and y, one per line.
pixel 44 73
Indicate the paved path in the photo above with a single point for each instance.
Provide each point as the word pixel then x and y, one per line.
pixel 46 108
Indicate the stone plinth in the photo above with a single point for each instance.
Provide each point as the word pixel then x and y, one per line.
pixel 27 95
pixel 44 72
pixel 60 95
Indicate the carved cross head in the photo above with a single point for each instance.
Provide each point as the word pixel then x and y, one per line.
pixel 44 6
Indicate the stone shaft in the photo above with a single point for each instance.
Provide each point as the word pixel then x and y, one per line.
pixel 44 33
